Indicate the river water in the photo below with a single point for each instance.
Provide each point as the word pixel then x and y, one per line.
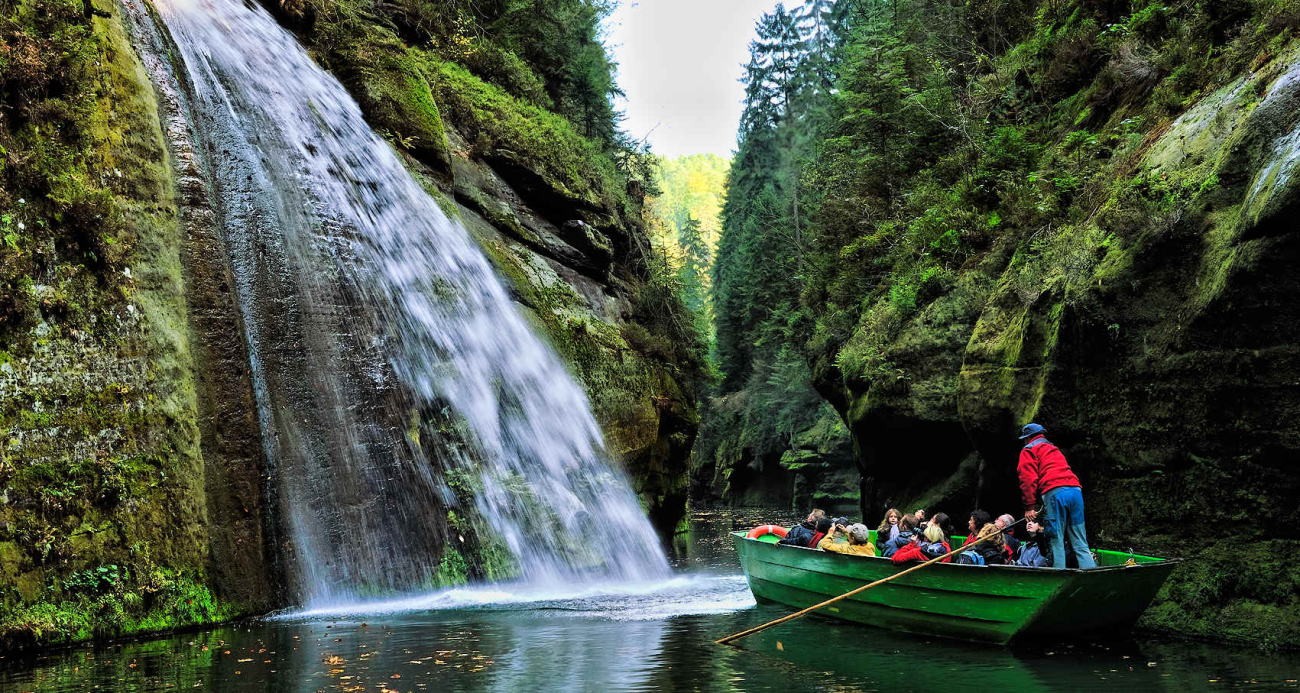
pixel 650 636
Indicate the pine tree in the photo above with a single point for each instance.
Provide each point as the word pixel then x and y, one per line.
pixel 695 265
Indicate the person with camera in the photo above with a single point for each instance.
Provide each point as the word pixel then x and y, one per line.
pixel 853 540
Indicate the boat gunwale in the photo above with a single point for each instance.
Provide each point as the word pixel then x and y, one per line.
pixel 1063 572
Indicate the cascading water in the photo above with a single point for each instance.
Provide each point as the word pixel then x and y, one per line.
pixel 367 312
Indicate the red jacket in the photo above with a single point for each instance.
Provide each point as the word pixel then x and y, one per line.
pixel 912 552
pixel 1042 468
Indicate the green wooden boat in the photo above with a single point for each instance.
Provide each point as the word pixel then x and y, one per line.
pixel 988 604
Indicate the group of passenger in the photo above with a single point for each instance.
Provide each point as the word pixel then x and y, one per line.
pixel 905 538
pixel 1061 542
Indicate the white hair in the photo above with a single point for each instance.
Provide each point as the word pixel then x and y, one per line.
pixel 1006 520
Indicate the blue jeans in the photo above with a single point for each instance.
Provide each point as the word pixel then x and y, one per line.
pixel 1063 507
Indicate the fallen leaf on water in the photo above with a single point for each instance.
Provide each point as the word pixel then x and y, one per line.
pixel 395 676
pixel 779 646
pixel 415 661
pixel 246 659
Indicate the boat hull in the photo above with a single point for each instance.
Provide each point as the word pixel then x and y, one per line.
pixel 992 604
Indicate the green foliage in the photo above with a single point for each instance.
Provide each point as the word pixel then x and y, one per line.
pixel 691 191
pixel 112 601
pixel 452 569
pixel 498 124
pixel 972 125
pixel 547 52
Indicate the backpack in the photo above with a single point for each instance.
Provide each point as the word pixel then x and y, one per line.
pixel 971 558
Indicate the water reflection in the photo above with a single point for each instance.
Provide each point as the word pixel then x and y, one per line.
pixel 649 638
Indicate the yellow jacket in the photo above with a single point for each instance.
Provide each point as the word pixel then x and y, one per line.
pixel 841 546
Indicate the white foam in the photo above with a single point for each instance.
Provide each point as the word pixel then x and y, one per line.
pixel 638 601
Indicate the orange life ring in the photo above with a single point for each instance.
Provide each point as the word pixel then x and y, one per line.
pixel 766 529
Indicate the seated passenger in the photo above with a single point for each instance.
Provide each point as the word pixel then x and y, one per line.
pixel 1013 544
pixel 1037 550
pixel 944 523
pixel 802 533
pixel 858 544
pixel 978 518
pixel 824 526
pixel 994 550
pixel 888 528
pixel 991 552
pixel 906 530
pixel 932 544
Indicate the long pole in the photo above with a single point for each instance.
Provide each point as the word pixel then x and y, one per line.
pixel 745 633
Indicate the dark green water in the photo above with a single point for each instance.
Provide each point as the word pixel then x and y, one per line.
pixel 653 637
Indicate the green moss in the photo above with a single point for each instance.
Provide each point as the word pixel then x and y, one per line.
pixel 100 607
pixel 452 569
pixel 496 562
pixel 385 78
pixel 1230 591
pixel 497 124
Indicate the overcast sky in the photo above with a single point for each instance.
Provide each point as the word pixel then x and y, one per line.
pixel 679 62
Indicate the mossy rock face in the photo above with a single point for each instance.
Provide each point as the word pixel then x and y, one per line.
pixel 1162 359
pixel 385 78
pixel 121 511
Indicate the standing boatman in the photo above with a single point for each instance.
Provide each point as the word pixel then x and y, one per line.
pixel 1045 474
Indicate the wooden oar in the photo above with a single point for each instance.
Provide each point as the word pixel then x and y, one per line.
pixel 736 636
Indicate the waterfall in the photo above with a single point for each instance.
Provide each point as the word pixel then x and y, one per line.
pixel 374 323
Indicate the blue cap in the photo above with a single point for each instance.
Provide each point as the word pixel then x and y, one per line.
pixel 1030 430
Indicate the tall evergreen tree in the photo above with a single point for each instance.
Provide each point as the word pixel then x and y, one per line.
pixel 760 255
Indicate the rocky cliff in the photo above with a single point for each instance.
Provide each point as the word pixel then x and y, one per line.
pixel 1153 334
pixel 132 464
pixel 133 471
